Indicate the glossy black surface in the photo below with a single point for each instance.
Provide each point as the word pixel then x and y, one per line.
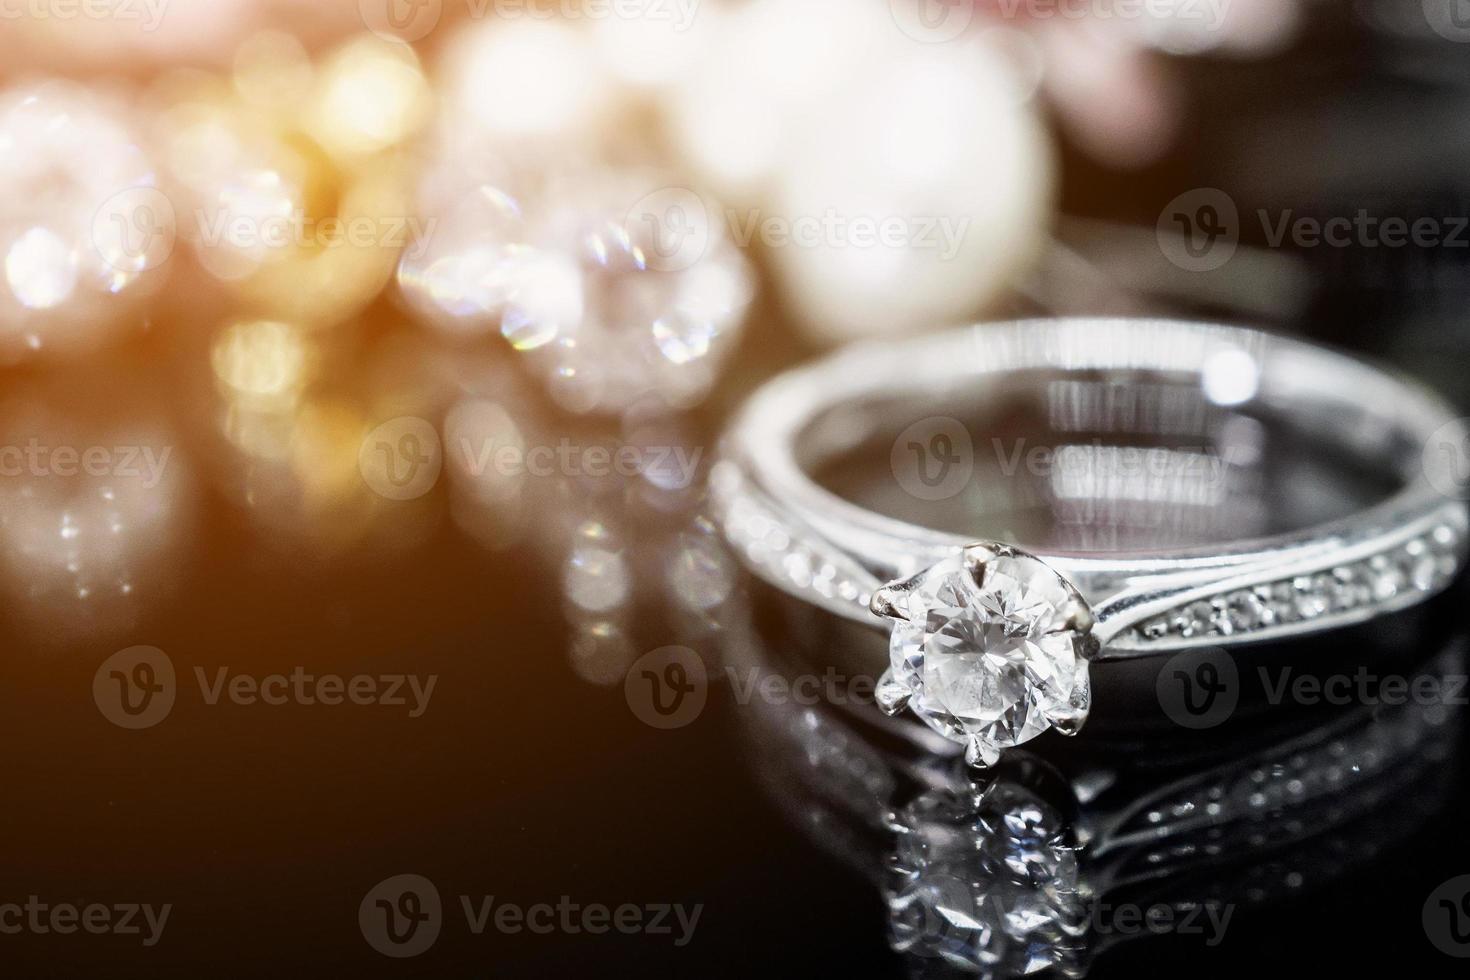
pixel 529 777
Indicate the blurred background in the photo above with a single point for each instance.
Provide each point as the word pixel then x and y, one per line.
pixel 393 338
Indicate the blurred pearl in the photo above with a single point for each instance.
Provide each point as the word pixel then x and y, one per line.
pixel 1114 97
pixel 82 224
pixel 938 148
pixel 844 120
pixel 648 51
pixel 524 80
pixel 774 66
pixel 1254 27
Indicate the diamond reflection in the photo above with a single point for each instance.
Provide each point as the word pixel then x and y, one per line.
pixel 1024 871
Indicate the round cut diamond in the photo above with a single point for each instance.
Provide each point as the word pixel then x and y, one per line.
pixel 985 880
pixel 988 650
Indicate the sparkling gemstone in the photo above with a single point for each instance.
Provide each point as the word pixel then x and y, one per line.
pixel 78 223
pixel 983 880
pixel 1388 579
pixel 618 293
pixel 990 661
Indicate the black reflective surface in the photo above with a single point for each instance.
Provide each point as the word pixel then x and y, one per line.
pixel 533 775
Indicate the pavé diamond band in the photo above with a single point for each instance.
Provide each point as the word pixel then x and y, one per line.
pixel 1162 534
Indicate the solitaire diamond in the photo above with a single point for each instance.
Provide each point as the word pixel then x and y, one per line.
pixel 989 648
pixel 985 880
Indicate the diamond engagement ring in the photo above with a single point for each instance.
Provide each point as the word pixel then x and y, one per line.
pixel 1056 494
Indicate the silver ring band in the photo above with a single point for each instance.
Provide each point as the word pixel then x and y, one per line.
pixel 1392 553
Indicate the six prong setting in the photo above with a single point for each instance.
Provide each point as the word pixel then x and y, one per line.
pixel 990 648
